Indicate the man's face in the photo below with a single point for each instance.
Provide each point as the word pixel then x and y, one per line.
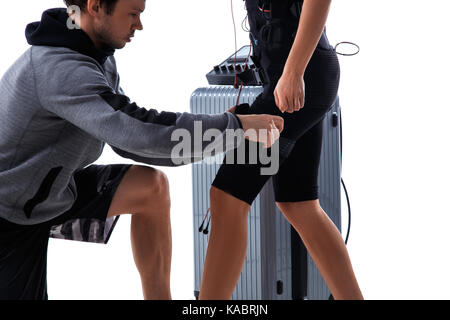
pixel 117 29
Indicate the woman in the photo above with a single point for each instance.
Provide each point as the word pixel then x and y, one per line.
pixel 302 73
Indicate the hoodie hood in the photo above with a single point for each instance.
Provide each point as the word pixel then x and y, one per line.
pixel 52 31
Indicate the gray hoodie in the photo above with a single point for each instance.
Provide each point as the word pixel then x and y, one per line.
pixel 60 102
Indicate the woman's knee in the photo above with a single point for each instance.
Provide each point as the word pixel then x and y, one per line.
pixel 299 208
pixel 224 203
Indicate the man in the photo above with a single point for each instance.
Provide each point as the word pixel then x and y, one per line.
pixel 60 103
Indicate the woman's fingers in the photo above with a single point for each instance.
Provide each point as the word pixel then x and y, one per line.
pixel 277 100
pixel 298 104
pixel 294 102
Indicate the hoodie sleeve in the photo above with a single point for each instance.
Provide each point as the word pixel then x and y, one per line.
pixel 74 88
pixel 167 162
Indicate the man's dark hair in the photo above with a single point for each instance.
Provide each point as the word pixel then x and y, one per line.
pixel 109 4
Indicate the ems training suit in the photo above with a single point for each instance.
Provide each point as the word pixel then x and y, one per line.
pixel 273 26
pixel 60 102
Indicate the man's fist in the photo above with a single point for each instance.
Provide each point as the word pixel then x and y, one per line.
pixel 262 128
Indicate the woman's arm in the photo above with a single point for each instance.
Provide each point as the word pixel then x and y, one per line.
pixel 289 93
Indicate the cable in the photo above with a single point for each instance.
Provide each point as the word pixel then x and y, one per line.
pixel 245 68
pixel 341 139
pixel 235 45
pixel 244 24
pixel 349 211
pixel 345 190
pixel 201 229
pixel 347 54
pixel 343 184
pixel 236 85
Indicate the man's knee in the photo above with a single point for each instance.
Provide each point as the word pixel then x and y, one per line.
pixel 156 187
pixel 158 182
pixel 142 190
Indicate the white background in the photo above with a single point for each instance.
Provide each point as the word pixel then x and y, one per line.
pixel 395 109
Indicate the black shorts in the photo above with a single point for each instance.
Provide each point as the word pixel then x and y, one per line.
pixel 300 143
pixel 23 248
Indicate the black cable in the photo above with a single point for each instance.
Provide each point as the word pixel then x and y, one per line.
pixel 345 189
pixel 244 24
pixel 347 54
pixel 349 211
pixel 343 184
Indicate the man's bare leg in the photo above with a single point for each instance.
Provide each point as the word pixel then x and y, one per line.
pixel 144 193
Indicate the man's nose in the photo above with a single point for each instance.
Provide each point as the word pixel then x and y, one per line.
pixel 139 25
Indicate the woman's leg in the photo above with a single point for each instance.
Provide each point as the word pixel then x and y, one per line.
pixel 236 186
pixel 325 246
pixel 227 246
pixel 233 190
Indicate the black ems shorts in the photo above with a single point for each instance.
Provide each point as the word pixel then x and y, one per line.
pixel 23 248
pixel 300 143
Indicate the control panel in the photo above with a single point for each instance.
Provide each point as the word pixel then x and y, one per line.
pixel 224 73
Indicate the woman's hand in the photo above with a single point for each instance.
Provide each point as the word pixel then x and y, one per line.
pixel 290 92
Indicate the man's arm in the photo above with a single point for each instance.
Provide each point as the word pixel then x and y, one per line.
pixel 77 91
pixel 167 162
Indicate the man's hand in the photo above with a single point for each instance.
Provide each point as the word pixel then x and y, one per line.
pixel 262 128
pixel 290 92
pixel 232 109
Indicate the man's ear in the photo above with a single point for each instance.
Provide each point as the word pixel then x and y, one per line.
pixel 93 7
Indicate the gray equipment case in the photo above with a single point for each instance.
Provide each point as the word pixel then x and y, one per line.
pixel 277 266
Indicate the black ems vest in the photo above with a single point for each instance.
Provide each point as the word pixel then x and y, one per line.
pixel 273 27
pixel 273 24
